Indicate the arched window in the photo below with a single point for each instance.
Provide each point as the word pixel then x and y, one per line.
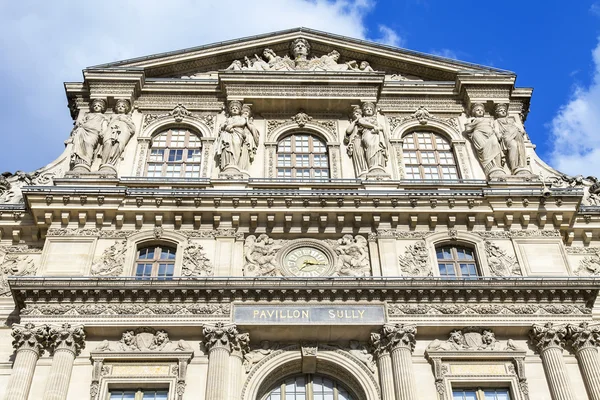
pixel 457 261
pixel 428 155
pixel 175 153
pixel 302 156
pixel 155 261
pixel 309 387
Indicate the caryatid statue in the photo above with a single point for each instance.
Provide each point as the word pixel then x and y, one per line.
pixel 353 142
pixel 372 140
pixel 480 131
pixel 120 129
pixel 512 140
pixel 86 136
pixel 238 139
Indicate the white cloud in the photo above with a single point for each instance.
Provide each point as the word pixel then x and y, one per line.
pixel 576 129
pixel 45 43
pixel 447 53
pixel 389 37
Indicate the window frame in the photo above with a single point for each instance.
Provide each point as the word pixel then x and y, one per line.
pixel 139 392
pixel 439 166
pixel 311 155
pixel 156 261
pixel 168 147
pixel 456 261
pixel 480 391
pixel 309 387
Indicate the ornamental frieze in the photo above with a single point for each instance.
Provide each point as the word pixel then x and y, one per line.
pixel 144 339
pixel 472 339
pixel 514 233
pixel 179 113
pixel 487 309
pixel 182 309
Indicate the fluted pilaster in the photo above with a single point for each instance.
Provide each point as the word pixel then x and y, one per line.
pixel 65 343
pixel 29 342
pixel 585 339
pixel 218 340
pixel 384 365
pixel 401 339
pixel 239 346
pixel 549 340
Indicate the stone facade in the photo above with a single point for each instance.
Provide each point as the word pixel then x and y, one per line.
pixel 231 217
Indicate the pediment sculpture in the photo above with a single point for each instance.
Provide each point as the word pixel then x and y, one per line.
pixel 497 142
pixel 472 339
pixel 144 339
pixel 12 183
pixel 97 135
pixel 298 60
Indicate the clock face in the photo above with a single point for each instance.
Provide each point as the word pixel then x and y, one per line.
pixel 306 261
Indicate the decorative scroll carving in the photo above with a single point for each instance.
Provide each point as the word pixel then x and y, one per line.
pixel 422 115
pixel 353 255
pixel 11 184
pixel 91 232
pixel 260 255
pixel 180 113
pixel 514 233
pixel 397 234
pixel 361 352
pixel 15 265
pixel 583 335
pixel 415 261
pixel 144 339
pixel 501 264
pixel 301 118
pixel 66 336
pixel 195 261
pixel 28 336
pixel 588 265
pixel 472 339
pixel 488 309
pixel 591 195
pixel 112 261
pixel 211 234
pixel 127 309
pixel 219 335
pixel 298 60
pixel 548 335
pixel 256 355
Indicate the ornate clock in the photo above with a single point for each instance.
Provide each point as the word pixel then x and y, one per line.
pixel 306 259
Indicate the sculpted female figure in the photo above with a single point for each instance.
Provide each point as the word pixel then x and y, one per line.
pixel 251 136
pixel 512 138
pixel 120 129
pixel 236 139
pixel 372 138
pixel 481 132
pixel 86 136
pixel 353 141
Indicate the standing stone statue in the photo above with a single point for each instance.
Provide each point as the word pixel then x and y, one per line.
pixel 238 139
pixel 120 129
pixel 353 141
pixel 86 136
pixel 512 139
pixel 372 139
pixel 480 130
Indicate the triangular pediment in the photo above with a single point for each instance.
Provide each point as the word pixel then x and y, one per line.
pixel 248 54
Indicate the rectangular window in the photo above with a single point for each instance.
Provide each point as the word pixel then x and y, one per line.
pixel 481 394
pixel 194 155
pixel 157 155
pixel 140 394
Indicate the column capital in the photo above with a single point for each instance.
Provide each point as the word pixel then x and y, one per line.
pixel 548 335
pixel 240 344
pixel 66 336
pixel 28 336
pixel 219 335
pixel 400 336
pixel 583 335
pixel 379 344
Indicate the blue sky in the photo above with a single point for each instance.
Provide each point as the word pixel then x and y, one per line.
pixel 553 46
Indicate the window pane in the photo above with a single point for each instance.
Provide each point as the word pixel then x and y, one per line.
pixel 157 154
pixel 464 395
pixel 430 151
pixel 194 155
pixel 496 394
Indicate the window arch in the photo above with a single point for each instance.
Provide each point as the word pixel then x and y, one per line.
pixel 175 153
pixel 428 155
pixel 302 155
pixel 457 261
pixel 156 261
pixel 309 387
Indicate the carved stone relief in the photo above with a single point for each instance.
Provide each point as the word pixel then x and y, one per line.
pixel 144 339
pixel 260 255
pixel 195 261
pixel 500 263
pixel 255 355
pixel 415 261
pixel 353 255
pixel 180 113
pixel 422 115
pixel 590 265
pixel 487 309
pixel 472 339
pixel 109 310
pixel 11 184
pixel 15 265
pixel 112 261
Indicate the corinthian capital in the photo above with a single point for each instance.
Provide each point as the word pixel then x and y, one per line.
pixel 28 336
pixel 240 344
pixel 399 335
pixel 219 335
pixel 583 335
pixel 66 336
pixel 548 335
pixel 379 344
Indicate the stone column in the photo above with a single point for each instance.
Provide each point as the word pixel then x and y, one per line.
pixel 549 340
pixel 585 339
pixel 239 346
pixel 65 343
pixel 28 342
pixel 218 339
pixel 401 340
pixel 384 365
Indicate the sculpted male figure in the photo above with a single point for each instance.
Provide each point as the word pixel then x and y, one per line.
pixel 512 138
pixel 86 136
